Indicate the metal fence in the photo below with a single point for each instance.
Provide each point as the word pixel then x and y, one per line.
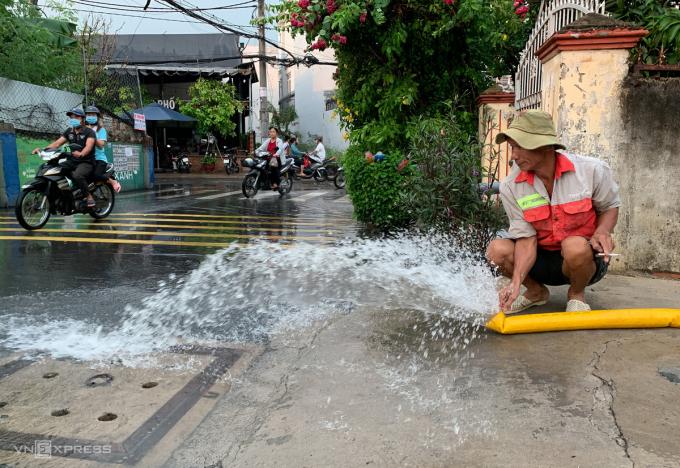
pixel 39 109
pixel 553 16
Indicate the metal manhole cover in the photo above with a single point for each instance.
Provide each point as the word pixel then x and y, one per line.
pixel 142 438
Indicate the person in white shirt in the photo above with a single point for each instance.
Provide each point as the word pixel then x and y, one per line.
pixel 319 153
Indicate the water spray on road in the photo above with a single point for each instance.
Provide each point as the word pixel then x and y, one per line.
pixel 248 294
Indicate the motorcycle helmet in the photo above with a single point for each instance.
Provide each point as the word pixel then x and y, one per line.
pixel 248 162
pixel 75 112
pixel 92 110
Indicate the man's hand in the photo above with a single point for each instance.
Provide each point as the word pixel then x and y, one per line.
pixel 602 242
pixel 507 296
pixel 76 154
pixel 36 151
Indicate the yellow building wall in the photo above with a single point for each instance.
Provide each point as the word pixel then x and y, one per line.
pixel 494 118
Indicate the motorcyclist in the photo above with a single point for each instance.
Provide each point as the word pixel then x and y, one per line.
pixel 295 152
pixel 94 121
pixel 80 162
pixel 274 146
pixel 318 155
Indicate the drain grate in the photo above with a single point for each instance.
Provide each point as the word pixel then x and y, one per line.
pixel 150 432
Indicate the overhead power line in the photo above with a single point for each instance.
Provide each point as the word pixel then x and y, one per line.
pixel 141 9
pixel 218 24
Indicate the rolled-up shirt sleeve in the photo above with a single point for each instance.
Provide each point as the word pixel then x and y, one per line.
pixel 519 227
pixel 605 189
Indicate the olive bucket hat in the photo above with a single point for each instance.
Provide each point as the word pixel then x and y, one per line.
pixel 531 129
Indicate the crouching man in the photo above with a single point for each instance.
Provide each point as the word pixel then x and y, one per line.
pixel 562 210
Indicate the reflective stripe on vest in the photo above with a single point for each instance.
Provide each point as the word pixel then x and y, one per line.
pixel 532 201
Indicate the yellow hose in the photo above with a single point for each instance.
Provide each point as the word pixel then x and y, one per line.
pixel 592 320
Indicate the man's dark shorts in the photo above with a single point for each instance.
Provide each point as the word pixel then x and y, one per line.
pixel 548 268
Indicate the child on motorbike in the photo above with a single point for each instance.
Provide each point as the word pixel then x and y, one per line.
pixel 94 121
pixel 80 162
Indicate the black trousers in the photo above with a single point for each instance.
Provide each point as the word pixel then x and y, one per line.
pixel 80 171
pixel 99 170
pixel 275 172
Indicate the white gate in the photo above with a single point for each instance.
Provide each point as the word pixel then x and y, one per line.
pixel 553 16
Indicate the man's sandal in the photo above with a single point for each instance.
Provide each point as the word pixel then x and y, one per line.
pixel 522 303
pixel 575 305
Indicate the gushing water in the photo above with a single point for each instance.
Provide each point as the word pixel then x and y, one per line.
pixel 249 294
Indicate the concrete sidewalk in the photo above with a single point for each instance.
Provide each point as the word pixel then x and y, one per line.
pixel 376 388
pixel 367 388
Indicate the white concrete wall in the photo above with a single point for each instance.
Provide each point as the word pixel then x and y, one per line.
pixel 309 86
pixel 253 121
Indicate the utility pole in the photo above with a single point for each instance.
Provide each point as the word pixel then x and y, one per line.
pixel 264 111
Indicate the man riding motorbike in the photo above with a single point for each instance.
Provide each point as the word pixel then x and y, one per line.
pixel 80 162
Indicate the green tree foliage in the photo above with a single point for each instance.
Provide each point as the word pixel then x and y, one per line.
pixel 661 18
pixel 400 60
pixel 283 118
pixel 214 104
pixel 376 188
pixel 444 192
pixel 38 50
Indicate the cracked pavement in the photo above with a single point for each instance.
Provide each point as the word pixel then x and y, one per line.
pixel 365 389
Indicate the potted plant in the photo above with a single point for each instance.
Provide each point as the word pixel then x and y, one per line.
pixel 208 162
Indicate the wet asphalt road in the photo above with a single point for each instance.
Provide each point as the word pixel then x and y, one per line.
pixel 80 268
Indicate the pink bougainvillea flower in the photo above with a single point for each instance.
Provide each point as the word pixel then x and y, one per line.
pixel 339 38
pixel 331 6
pixel 362 17
pixel 448 2
pixel 517 3
pixel 304 4
pixel 523 10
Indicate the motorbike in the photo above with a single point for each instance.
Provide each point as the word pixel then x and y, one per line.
pixel 229 160
pixel 180 162
pixel 52 192
pixel 339 180
pixel 320 172
pixel 258 177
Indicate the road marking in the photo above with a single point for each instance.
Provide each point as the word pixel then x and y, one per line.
pixel 261 195
pixel 229 222
pixel 309 196
pixel 230 216
pixel 219 195
pixel 185 194
pixel 99 240
pixel 176 234
pixel 190 227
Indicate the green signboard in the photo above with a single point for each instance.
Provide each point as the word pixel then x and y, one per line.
pixel 128 161
pixel 28 163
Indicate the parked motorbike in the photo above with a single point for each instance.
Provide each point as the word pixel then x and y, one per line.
pixel 180 161
pixel 258 177
pixel 229 160
pixel 52 192
pixel 320 172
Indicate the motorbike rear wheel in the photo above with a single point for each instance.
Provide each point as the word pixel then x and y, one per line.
pixel 286 184
pixel 320 175
pixel 104 199
pixel 248 186
pixel 32 209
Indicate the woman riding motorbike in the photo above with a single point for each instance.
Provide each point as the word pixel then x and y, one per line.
pixel 274 146
pixel 94 121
